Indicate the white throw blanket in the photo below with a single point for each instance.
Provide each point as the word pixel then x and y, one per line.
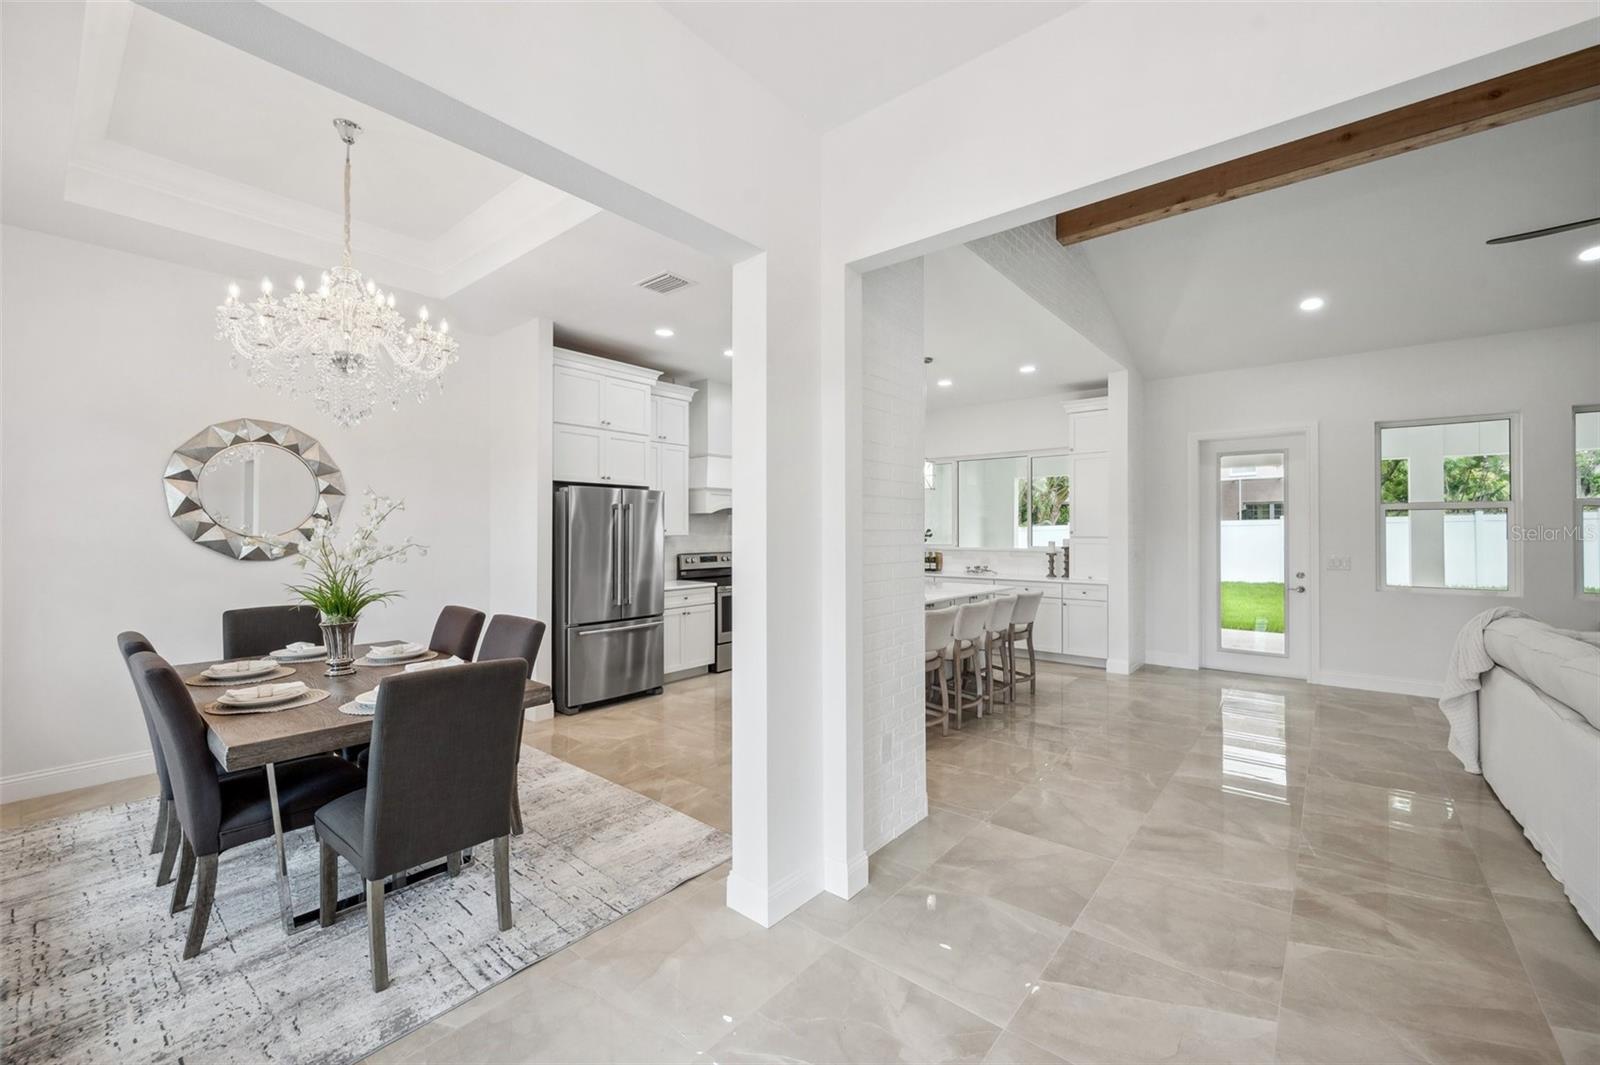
pixel 1469 660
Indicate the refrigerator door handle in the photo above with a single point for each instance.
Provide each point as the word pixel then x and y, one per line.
pixel 627 551
pixel 616 555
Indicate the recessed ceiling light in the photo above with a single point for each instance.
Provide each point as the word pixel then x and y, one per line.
pixel 1030 368
pixel 728 352
pixel 663 332
pixel 1589 255
pixel 1313 303
pixel 944 382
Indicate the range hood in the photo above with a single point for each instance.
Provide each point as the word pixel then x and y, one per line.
pixel 711 448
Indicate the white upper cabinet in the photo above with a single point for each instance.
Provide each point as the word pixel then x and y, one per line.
pixel 579 396
pixel 578 453
pixel 671 420
pixel 626 407
pixel 672 479
pixel 627 460
pixel 1088 428
pixel 1091 495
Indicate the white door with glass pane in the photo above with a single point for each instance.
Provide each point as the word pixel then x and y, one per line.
pixel 1256 589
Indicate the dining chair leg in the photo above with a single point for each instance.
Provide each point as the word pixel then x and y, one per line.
pixel 377 949
pixel 502 881
pixel 1033 664
pixel 172 836
pixel 180 887
pixel 327 884
pixel 158 839
pixel 944 703
pixel 516 812
pixel 205 892
pixel 453 863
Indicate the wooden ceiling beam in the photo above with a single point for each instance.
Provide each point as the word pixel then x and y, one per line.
pixel 1562 82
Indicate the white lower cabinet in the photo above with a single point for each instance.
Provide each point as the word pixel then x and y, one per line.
pixel 1047 627
pixel 688 631
pixel 1084 627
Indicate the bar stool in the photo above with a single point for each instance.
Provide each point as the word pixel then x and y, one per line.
pixel 940 627
pixel 972 620
pixel 1022 620
pixel 997 648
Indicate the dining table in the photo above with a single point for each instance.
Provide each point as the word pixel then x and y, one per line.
pixel 263 739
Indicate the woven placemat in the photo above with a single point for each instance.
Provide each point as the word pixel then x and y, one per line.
pixel 315 695
pixel 423 657
pixel 241 682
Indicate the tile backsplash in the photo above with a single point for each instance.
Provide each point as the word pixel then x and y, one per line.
pixel 707 532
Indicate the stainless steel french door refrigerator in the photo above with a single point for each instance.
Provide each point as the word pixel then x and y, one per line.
pixel 609 565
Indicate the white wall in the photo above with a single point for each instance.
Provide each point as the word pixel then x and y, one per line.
pixel 1397 639
pixel 110 364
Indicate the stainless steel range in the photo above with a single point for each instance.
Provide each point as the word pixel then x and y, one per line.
pixel 715 568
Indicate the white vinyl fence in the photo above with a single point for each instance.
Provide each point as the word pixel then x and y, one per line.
pixel 1475 550
pixel 1252 551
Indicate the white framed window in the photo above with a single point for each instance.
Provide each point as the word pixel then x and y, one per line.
pixel 1447 494
pixel 1586 511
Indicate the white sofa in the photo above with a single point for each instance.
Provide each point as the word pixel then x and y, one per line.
pixel 1539 746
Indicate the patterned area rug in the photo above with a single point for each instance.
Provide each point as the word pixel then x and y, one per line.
pixel 93 967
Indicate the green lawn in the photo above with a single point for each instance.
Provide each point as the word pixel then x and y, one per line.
pixel 1243 603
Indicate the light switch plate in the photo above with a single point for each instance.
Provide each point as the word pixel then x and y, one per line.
pixel 1338 562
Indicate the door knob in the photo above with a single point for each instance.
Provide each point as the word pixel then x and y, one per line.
pixel 1298 588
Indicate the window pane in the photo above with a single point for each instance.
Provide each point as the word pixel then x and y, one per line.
pixel 1591 550
pixel 1250 540
pixel 1586 426
pixel 1453 462
pixel 1051 500
pixel 994 503
pixel 1446 549
pixel 1395 487
pixel 939 491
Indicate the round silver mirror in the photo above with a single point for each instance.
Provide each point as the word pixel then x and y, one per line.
pixel 252 489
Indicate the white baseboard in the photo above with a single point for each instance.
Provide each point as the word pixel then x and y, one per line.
pixel 542 712
pixel 844 879
pixel 1171 659
pixel 74 776
pixel 767 907
pixel 1119 666
pixel 1374 682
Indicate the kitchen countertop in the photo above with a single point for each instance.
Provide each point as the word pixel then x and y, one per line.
pixel 1012 577
pixel 687 586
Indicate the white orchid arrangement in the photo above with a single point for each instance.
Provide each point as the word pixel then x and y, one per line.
pixel 341 583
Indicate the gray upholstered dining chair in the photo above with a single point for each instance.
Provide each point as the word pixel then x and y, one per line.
pixel 164 841
pixel 442 760
pixel 511 636
pixel 250 632
pixel 215 812
pixel 456 632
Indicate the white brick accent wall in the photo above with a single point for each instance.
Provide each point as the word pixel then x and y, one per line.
pixel 1058 278
pixel 896 792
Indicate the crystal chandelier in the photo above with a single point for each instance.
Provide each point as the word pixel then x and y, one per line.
pixel 343 344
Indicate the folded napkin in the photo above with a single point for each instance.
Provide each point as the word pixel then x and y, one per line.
pixel 289 690
pixel 396 650
pixel 228 669
pixel 303 647
pixel 437 663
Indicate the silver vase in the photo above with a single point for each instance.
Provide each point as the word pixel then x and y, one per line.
pixel 339 637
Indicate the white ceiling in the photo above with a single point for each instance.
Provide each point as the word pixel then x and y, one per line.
pixel 124 128
pixel 832 61
pixel 980 329
pixel 1396 248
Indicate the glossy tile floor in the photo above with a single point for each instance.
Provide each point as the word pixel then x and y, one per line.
pixel 1171 866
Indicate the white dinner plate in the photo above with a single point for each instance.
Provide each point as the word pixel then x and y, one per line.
pixel 238 671
pixel 376 655
pixel 263 694
pixel 283 654
pixel 367 700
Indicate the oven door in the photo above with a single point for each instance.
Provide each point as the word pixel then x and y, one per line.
pixel 725 613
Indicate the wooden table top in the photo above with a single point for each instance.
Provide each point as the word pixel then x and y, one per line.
pixel 242 741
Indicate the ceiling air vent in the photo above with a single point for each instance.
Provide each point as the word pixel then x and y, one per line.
pixel 664 283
